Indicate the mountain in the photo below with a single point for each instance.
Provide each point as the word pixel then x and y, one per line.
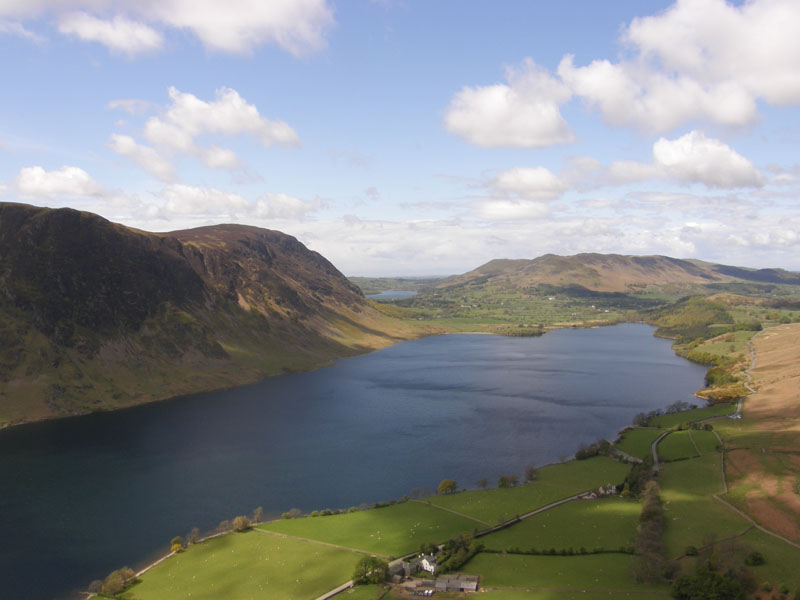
pixel 95 315
pixel 611 273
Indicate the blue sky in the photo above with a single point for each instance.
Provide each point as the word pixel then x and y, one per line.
pixel 402 138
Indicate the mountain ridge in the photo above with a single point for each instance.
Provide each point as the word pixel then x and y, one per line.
pixel 95 315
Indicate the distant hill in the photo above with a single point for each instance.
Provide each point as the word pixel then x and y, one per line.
pixel 611 273
pixel 95 315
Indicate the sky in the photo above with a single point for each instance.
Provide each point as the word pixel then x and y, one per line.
pixel 412 137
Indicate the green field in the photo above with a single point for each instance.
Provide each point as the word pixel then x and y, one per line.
pixel 392 531
pixel 780 559
pixel 705 441
pixel 607 524
pixel 248 565
pixel 677 446
pixel 592 573
pixel 558 595
pixel 691 512
pixel 637 441
pixel 690 416
pixel 553 483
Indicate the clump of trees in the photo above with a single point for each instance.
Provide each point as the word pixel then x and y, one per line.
pixel 240 523
pixel 651 565
pixel 292 513
pixel 115 582
pixel 447 486
pixel 531 472
pixel 176 544
pixel 600 447
pixel 457 552
pixel 507 481
pixel 370 569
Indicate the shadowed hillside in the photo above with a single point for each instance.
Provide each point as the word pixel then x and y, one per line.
pixel 95 315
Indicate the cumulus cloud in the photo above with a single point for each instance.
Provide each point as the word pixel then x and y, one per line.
pixel 691 158
pixel 511 210
pixel 66 181
pixel 180 199
pixel 696 158
pixel 283 206
pixel 118 35
pixel 534 183
pixel 236 26
pixel 698 60
pixel 132 106
pixel 522 113
pixel 17 29
pixel 144 156
pixel 188 117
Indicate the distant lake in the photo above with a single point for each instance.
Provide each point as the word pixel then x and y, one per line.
pixel 86 495
pixel 392 295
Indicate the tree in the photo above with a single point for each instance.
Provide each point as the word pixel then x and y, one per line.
pixel 370 569
pixel 482 483
pixel 116 581
pixel 504 481
pixel 176 541
pixel 193 536
pixel 447 486
pixel 241 523
pixel 224 526
pixel 96 586
pixel 513 480
pixel 530 473
pixel 258 515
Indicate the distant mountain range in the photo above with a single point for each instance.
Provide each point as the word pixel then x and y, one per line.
pixel 612 273
pixel 95 315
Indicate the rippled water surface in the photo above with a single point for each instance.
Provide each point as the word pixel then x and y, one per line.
pixel 83 496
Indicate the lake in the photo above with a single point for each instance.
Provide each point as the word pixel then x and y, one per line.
pixel 85 495
pixel 392 295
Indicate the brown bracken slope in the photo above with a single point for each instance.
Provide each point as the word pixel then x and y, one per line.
pixel 763 458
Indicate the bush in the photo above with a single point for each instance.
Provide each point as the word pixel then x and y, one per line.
pixel 754 559
pixel 241 523
pixel 370 569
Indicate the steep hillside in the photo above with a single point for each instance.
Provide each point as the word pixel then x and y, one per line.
pixel 611 273
pixel 95 315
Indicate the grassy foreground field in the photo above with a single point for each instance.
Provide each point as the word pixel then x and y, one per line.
pixel 391 531
pixel 248 565
pixel 637 441
pixel 606 524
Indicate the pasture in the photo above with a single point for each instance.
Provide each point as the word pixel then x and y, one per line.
pixel 391 531
pixel 248 565
pixel 606 524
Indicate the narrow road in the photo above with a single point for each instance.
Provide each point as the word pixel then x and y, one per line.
pixel 450 510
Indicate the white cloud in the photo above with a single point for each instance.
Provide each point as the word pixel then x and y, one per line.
pixel 180 199
pixel 220 158
pixel 240 26
pixel 66 181
pixel 691 158
pixel 235 26
pixel 283 206
pixel 118 35
pixel 17 29
pixel 695 158
pixel 524 113
pixel 698 60
pixel 144 156
pixel 533 183
pixel 188 117
pixel 511 210
pixel 131 106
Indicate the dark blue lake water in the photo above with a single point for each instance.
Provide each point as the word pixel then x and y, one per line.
pixel 86 495
pixel 392 295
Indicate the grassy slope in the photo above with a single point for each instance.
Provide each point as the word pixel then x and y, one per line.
pixel 689 416
pixel 597 524
pixel 248 565
pixel 553 483
pixel 578 573
pixel 677 446
pixel 637 441
pixel 391 531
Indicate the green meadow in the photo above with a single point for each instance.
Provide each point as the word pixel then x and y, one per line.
pixel 608 524
pixel 553 483
pixel 690 416
pixel 248 565
pixel 637 441
pixel 391 531
pixel 677 446
pixel 692 514
pixel 594 572
pixel 705 441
